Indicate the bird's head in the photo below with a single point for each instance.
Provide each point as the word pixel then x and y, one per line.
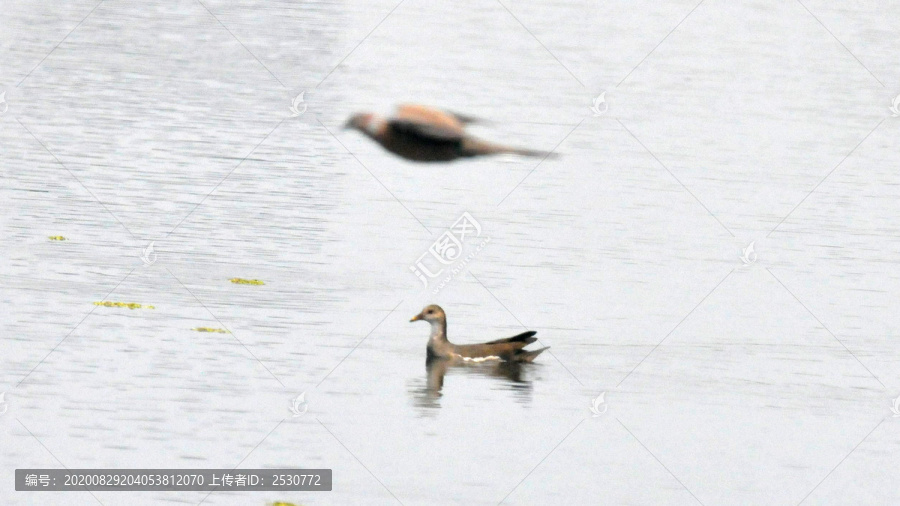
pixel 430 314
pixel 362 121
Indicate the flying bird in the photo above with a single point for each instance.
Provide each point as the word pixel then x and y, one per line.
pixel 424 134
pixel 509 349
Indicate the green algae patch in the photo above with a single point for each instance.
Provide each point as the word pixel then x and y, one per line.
pixel 210 329
pixel 129 305
pixel 242 281
pixel 57 238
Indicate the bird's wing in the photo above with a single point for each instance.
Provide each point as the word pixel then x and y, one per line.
pixel 421 113
pixel 524 337
pixel 487 349
pixel 465 119
pixel 426 131
pixel 507 349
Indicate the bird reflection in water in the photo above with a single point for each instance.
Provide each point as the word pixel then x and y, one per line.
pixel 512 375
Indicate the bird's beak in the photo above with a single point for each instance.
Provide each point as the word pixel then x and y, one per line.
pixel 416 318
pixel 348 125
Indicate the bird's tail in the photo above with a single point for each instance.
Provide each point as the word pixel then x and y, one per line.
pixel 529 356
pixel 477 147
pixel 531 152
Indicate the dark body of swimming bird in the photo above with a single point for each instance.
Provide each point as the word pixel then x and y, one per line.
pixel 509 349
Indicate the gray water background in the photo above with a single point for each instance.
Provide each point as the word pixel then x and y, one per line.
pixel 764 381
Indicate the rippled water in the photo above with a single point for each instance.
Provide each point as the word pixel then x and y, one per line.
pixel 762 380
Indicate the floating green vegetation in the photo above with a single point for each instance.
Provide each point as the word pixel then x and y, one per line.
pixel 242 281
pixel 57 238
pixel 129 305
pixel 210 329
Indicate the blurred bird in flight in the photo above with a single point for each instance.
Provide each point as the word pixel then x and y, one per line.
pixel 424 134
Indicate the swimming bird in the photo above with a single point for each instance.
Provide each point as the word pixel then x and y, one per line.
pixel 424 134
pixel 509 349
